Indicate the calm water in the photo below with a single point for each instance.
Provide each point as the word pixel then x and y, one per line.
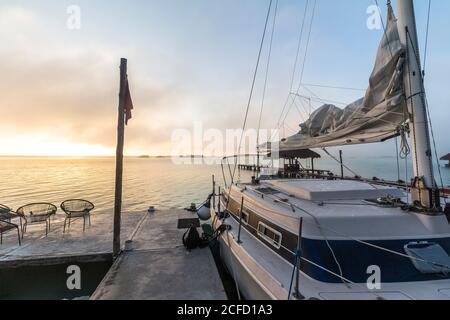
pixel 147 182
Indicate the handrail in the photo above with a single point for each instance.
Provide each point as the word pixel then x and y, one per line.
pixel 316 223
pixel 241 213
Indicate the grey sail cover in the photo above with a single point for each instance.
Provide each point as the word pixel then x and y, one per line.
pixel 374 118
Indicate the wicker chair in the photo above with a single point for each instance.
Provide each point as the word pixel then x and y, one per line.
pixel 37 213
pixel 5 222
pixel 4 212
pixel 77 208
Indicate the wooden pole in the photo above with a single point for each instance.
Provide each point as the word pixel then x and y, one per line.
pixel 119 158
pixel 342 164
pixel 218 202
pixel 214 192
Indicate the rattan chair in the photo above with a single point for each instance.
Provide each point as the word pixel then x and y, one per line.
pixel 77 208
pixel 5 223
pixel 5 212
pixel 37 213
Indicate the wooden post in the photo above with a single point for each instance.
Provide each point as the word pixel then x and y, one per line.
pixel 218 203
pixel 119 158
pixel 342 164
pixel 214 192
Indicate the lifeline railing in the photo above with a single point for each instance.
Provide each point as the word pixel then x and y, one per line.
pixel 298 254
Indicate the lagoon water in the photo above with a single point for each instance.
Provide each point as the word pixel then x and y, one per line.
pixel 147 181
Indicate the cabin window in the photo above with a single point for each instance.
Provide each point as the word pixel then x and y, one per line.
pixel 270 235
pixel 245 218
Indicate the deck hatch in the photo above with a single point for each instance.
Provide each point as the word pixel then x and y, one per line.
pixel 267 191
pixel 324 190
pixel 435 258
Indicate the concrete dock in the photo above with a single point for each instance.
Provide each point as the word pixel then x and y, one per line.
pixel 95 244
pixel 158 267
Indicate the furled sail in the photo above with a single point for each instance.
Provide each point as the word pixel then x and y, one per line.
pixel 374 118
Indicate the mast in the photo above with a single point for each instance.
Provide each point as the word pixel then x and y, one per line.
pixel 425 192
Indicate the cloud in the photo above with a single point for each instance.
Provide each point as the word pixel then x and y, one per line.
pixel 63 88
pixel 53 91
pixel 17 16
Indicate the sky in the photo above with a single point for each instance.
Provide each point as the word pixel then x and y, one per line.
pixel 189 61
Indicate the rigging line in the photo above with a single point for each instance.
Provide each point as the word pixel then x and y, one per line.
pixel 341 277
pixel 290 128
pixel 435 147
pixel 252 89
pixel 296 61
pixel 353 172
pixel 326 101
pixel 298 109
pixel 267 70
pixel 426 38
pixel 333 87
pixel 406 178
pixel 281 201
pixel 304 58
pixel 322 100
pixel 384 26
pixel 319 226
pixel 306 111
pixel 398 158
pixel 307 45
pixel 299 46
pixel 436 264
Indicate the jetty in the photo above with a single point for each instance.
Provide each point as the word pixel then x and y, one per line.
pixel 250 167
pixel 153 263
pixel 156 266
pixel 95 244
pixel 446 158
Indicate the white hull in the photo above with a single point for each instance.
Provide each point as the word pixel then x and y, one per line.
pixel 248 286
pixel 261 274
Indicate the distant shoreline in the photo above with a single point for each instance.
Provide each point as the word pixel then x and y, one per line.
pixel 107 157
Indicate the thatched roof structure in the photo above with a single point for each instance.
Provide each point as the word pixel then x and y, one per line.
pixel 446 158
pixel 298 154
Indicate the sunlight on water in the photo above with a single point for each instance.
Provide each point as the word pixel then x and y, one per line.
pixel 147 182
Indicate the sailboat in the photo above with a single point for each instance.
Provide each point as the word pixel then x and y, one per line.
pixel 338 239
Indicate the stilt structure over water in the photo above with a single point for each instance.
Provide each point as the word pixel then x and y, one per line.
pixel 446 158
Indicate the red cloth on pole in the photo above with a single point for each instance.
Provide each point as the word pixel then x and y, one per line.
pixel 128 105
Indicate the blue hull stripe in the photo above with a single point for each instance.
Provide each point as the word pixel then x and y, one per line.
pixel 354 259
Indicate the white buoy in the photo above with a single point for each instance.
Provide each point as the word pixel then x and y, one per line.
pixel 204 213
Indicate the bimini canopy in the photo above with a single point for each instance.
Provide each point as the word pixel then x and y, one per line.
pixel 374 118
